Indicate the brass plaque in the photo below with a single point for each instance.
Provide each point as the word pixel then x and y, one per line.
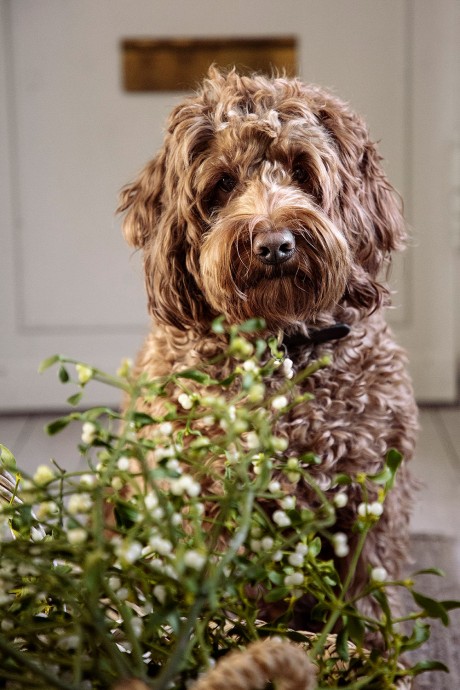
pixel 179 64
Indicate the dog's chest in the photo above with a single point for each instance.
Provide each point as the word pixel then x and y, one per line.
pixel 350 421
pixel 359 403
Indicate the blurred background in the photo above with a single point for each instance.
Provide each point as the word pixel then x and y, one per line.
pixel 74 130
pixel 72 134
pixel 75 127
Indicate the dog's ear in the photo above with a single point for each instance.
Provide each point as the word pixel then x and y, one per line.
pixel 173 295
pixel 154 222
pixel 367 207
pixel 140 201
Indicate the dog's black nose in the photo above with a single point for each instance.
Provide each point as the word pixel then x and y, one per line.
pixel 274 247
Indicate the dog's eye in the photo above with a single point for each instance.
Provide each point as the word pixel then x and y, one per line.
pixel 226 184
pixel 300 175
pixel 220 192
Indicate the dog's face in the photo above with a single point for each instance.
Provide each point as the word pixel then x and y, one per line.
pixel 267 200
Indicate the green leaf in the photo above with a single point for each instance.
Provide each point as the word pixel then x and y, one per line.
pixel 428 665
pixel 328 580
pixel 433 608
pixel 218 325
pixel 7 458
pixel 75 399
pixel 96 412
pixel 252 325
pixel 356 630
pixel 430 571
pixel 228 380
pixel 196 375
pixel 125 515
pixel 420 635
pixel 276 594
pixel 342 479
pixel 261 346
pixel 142 419
pixel 381 597
pixel 72 523
pixel 296 636
pixel 174 621
pixel 63 375
pixel 382 477
pixel 387 475
pixel 314 547
pixel 55 427
pixel 62 569
pixel 394 459
pixel 274 349
pixel 310 459
pixel 93 572
pixel 450 604
pixel 275 577
pixel 47 363
pixel 320 612
pixel 247 381
pixel 341 644
pixel 23 518
pixel 255 572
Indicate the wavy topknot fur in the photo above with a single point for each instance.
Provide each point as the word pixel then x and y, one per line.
pixel 268 199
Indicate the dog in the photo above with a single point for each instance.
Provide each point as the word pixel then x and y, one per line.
pixel 268 199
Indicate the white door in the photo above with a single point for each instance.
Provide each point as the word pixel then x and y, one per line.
pixel 70 137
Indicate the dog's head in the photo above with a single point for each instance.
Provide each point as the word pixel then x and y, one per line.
pixel 267 199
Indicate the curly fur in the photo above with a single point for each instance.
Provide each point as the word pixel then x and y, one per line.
pixel 247 156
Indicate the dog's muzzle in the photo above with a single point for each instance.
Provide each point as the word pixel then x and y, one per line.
pixel 274 248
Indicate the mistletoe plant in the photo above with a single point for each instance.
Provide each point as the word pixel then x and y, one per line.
pixel 131 568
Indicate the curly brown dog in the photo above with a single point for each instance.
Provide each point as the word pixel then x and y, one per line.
pixel 268 199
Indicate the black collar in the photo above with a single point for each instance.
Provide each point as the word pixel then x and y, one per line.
pixel 315 337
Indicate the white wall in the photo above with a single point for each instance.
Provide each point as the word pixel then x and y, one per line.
pixel 71 138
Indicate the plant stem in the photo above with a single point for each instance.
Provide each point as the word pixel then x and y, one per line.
pixel 98 375
pixel 126 614
pixel 176 660
pixel 240 537
pixel 319 644
pixel 354 562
